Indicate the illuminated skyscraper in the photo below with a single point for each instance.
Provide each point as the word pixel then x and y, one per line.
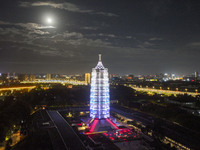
pixel 32 77
pixel 48 76
pixel 87 78
pixel 99 92
pixel 196 75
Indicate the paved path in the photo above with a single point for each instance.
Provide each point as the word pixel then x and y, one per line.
pixel 69 137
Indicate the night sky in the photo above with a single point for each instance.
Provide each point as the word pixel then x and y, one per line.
pixel 134 36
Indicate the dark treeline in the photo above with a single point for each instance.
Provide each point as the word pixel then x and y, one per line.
pixel 12 111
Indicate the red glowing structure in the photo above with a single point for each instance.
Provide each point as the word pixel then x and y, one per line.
pixel 94 125
pixel 108 120
pixel 102 125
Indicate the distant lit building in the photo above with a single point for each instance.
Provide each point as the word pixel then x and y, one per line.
pixel 23 77
pixel 8 75
pixel 196 75
pixel 114 76
pixel 173 76
pixel 130 77
pixel 99 92
pixel 87 78
pixel 166 77
pixel 4 76
pixel 32 77
pixel 48 76
pixel 70 86
pixel 79 77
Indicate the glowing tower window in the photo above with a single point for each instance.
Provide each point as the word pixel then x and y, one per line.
pixel 99 92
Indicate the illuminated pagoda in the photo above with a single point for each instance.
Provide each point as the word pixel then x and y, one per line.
pixel 99 92
pixel 100 99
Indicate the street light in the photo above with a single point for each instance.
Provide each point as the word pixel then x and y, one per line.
pixel 196 91
pixel 168 88
pixel 177 89
pixel 186 90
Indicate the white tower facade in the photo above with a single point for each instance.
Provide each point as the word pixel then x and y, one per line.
pixel 99 92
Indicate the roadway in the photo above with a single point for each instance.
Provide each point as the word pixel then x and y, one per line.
pixel 68 136
pixel 17 88
pixel 73 82
pixel 164 91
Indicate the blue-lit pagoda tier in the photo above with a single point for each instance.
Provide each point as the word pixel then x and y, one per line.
pixel 99 92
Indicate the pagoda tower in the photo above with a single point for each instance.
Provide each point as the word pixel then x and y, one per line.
pixel 99 92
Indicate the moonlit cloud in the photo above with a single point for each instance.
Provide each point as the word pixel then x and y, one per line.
pixel 33 37
pixel 29 26
pixel 65 6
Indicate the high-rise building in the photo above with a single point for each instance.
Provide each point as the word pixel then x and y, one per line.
pixel 173 76
pixel 196 74
pixel 23 77
pixel 87 78
pixel 48 76
pixel 99 92
pixel 32 77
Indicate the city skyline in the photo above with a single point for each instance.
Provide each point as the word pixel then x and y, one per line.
pixel 134 37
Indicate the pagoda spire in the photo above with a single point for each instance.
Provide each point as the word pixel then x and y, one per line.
pixel 99 57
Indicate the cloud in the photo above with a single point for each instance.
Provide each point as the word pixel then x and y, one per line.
pixel 4 23
pixel 39 32
pixel 145 45
pixel 107 35
pixel 194 45
pixel 32 43
pixel 89 28
pixel 22 31
pixel 34 37
pixel 77 39
pixel 29 26
pixel 129 37
pixel 155 39
pixel 107 14
pixel 72 34
pixel 65 6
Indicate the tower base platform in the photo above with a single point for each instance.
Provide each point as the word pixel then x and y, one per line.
pixel 99 125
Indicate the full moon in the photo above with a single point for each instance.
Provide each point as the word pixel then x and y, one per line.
pixel 49 20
